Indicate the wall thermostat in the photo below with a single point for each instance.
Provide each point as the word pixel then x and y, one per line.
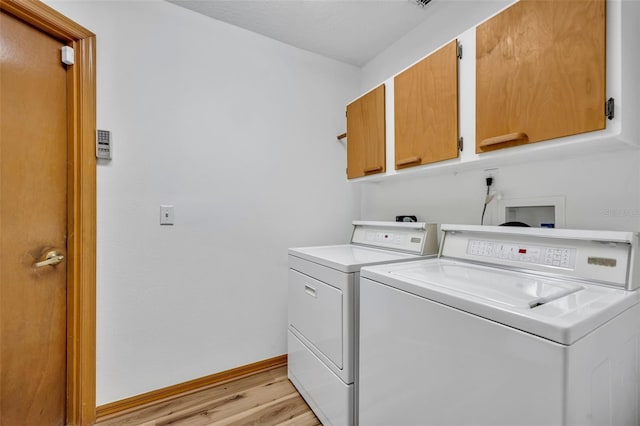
pixel 103 144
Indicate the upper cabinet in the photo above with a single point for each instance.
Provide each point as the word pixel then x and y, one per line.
pixel 366 134
pixel 540 72
pixel 426 109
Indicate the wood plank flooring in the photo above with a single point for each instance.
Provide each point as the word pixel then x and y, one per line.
pixel 266 398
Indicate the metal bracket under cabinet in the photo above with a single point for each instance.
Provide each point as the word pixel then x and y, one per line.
pixel 609 108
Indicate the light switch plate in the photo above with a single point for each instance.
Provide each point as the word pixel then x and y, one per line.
pixel 167 215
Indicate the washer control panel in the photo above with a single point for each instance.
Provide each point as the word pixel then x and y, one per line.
pixel 605 257
pixel 561 257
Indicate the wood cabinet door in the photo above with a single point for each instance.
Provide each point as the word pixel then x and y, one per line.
pixel 540 72
pixel 426 109
pixel 366 134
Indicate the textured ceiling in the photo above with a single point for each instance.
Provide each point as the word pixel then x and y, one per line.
pixel 351 31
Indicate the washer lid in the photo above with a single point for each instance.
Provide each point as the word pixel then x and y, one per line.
pixel 559 310
pixel 349 257
pixel 517 291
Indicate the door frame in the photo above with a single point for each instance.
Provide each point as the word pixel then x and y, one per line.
pixel 81 204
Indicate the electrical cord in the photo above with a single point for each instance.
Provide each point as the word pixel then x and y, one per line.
pixel 487 199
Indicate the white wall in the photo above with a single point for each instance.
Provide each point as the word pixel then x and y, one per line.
pixel 602 191
pixel 445 21
pixel 237 131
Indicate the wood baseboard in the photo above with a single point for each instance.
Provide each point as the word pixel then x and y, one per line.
pixel 111 409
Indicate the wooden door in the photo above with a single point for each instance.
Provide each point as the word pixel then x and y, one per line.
pixel 366 135
pixel 426 109
pixel 540 72
pixel 33 220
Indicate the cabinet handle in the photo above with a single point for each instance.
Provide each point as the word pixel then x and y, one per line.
pixel 342 136
pixel 407 161
pixel 510 137
pixel 310 290
pixel 373 169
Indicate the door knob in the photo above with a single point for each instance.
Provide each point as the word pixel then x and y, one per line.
pixel 51 258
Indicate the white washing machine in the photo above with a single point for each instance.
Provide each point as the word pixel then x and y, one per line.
pixel 323 310
pixel 508 326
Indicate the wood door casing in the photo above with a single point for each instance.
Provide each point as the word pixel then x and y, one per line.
pixel 33 190
pixel 540 72
pixel 426 109
pixel 366 134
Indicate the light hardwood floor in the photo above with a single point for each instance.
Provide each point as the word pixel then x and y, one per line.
pixel 266 398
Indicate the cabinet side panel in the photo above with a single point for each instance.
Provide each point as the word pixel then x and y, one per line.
pixel 540 72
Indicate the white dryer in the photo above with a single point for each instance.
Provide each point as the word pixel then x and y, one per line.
pixel 508 326
pixel 323 310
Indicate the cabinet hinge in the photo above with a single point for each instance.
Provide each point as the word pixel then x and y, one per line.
pixel 459 53
pixel 460 143
pixel 609 108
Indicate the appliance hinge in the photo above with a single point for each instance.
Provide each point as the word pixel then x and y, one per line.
pixel 609 108
pixel 460 143
pixel 459 51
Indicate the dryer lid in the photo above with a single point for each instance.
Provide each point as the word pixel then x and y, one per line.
pixel 349 257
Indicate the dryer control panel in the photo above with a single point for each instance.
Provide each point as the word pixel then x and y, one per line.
pixel 416 238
